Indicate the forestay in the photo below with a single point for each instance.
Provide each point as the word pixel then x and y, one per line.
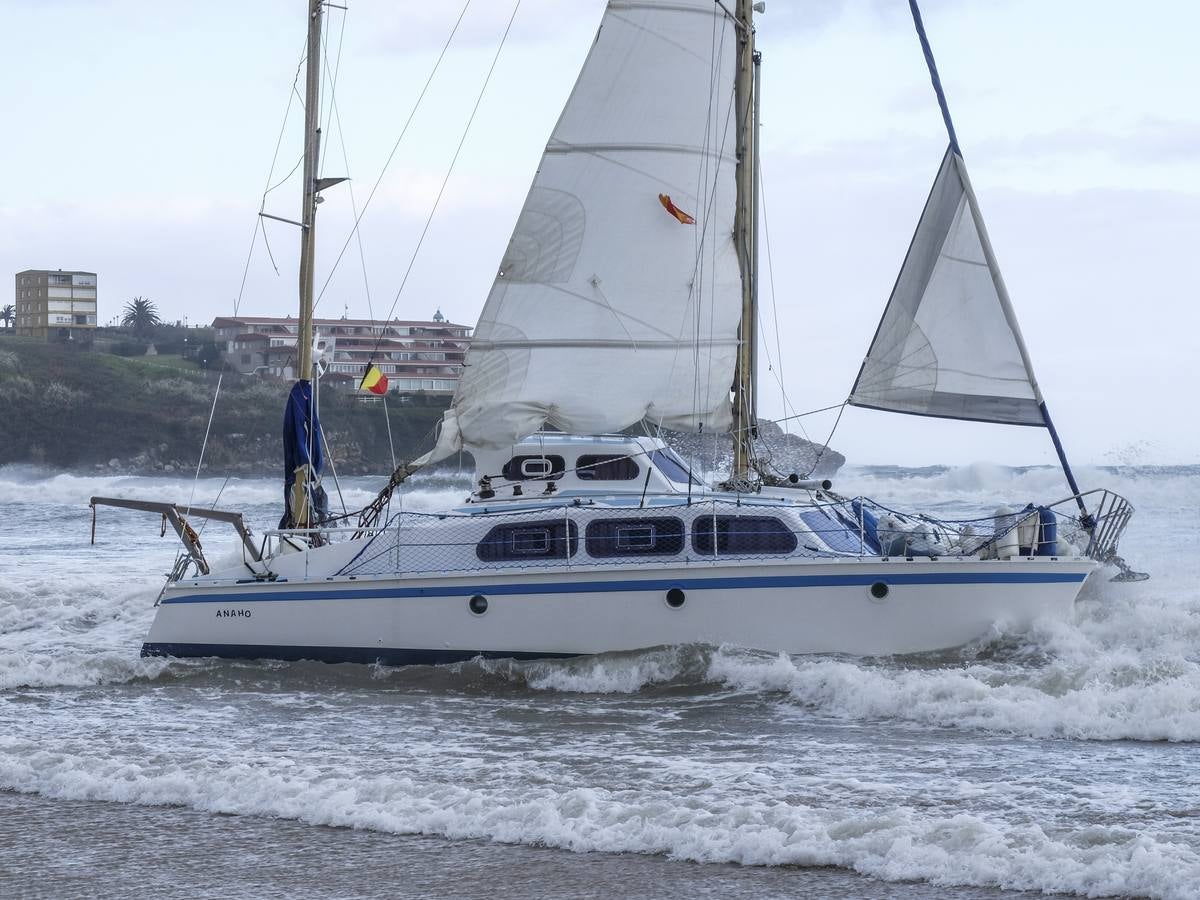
pixel 618 297
pixel 949 344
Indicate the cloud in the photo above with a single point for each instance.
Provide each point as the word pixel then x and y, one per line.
pixel 1144 141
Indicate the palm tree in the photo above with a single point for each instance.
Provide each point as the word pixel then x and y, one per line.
pixel 141 315
pixel 7 314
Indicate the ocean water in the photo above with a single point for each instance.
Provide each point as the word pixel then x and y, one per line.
pixel 1063 760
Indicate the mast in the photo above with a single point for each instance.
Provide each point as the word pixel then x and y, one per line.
pixel 745 238
pixel 308 212
pixel 1085 517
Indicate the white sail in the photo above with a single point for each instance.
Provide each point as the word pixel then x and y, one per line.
pixel 948 344
pixel 609 308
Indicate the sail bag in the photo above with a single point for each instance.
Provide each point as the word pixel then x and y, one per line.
pixel 618 297
pixel 948 344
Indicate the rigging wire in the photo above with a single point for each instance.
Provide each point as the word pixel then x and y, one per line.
pixel 335 110
pixel 284 180
pixel 711 189
pixel 779 375
pixel 705 195
pixel 449 171
pixel 330 73
pixel 337 119
pixel 702 193
pixel 332 468
pixel 396 146
pixel 387 418
pixel 258 226
pixel 825 446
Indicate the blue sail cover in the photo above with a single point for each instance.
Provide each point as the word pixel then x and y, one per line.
pixel 302 447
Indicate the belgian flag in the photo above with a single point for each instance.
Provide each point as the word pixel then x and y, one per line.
pixel 373 380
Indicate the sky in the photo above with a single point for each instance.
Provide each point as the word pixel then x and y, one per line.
pixel 141 136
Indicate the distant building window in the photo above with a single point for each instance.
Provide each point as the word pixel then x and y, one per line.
pixel 551 539
pixel 525 468
pixel 594 467
pixel 742 535
pixel 659 536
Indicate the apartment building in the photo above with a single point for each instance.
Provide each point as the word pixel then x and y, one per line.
pixel 415 356
pixel 56 304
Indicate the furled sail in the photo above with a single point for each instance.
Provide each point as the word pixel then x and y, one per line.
pixel 949 344
pixel 305 501
pixel 618 297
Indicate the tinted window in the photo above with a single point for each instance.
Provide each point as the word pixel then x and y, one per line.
pixel 526 468
pixel 672 466
pixel 550 539
pixel 606 468
pixel 635 537
pixel 742 534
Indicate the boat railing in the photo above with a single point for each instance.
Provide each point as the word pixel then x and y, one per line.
pixel 708 532
pixel 1095 534
pixel 307 538
pixel 1104 524
pixel 415 542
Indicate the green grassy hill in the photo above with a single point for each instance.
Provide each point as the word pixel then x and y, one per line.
pixel 74 408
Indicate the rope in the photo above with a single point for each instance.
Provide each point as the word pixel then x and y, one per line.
pixel 825 446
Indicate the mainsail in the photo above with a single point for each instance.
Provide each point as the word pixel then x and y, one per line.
pixel 611 304
pixel 949 344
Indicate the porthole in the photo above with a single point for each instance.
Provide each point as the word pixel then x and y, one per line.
pixel 676 597
pixel 879 590
pixel 478 604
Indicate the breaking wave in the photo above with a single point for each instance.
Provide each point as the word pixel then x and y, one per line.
pixel 709 824
pixel 1126 669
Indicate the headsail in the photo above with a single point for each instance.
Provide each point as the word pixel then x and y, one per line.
pixel 949 344
pixel 611 304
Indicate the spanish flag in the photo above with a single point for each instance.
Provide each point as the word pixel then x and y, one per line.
pixel 684 218
pixel 373 380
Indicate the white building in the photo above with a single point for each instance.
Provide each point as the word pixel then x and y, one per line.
pixel 415 356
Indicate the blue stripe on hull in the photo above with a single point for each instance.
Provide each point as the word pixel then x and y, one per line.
pixel 385 656
pixel 649 584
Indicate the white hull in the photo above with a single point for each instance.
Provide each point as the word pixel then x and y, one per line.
pixel 821 606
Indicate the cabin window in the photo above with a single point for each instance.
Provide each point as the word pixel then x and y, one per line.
pixel 596 467
pixel 757 535
pixel 526 468
pixel 659 536
pixel 672 466
pixel 550 539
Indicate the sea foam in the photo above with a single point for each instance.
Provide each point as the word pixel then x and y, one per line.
pixel 714 825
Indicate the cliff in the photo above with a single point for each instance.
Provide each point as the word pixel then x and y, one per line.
pixel 73 408
pixel 79 409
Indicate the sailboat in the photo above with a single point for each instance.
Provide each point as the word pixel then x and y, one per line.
pixel 628 297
